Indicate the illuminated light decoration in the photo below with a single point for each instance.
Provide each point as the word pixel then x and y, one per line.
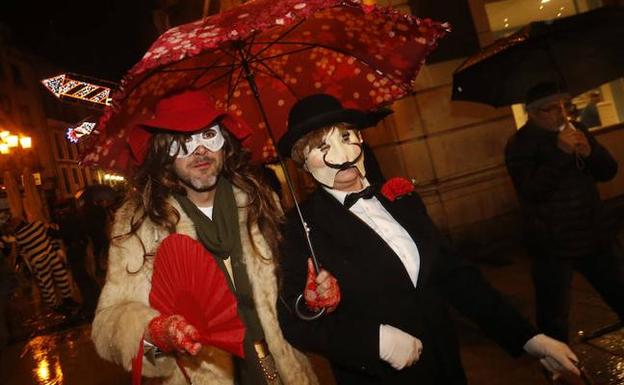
pixel 25 142
pixel 4 134
pixel 101 97
pixel 113 177
pixel 12 140
pixel 4 148
pixel 74 134
pixel 69 86
pixel 54 84
pixel 85 91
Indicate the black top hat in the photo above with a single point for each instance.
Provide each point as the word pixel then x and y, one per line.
pixel 322 110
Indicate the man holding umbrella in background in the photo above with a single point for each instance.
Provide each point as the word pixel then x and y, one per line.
pixel 395 270
pixel 555 167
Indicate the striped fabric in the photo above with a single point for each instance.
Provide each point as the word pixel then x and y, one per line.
pixel 36 247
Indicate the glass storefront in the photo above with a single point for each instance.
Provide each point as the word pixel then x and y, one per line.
pixel 600 107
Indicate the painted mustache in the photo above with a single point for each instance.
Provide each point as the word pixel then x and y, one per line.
pixel 345 165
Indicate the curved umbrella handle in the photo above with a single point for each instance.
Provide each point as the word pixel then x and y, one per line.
pixel 252 84
pixel 306 315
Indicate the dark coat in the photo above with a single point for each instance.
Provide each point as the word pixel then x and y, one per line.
pixel 376 289
pixel 563 214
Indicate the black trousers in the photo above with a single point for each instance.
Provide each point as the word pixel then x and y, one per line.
pixel 552 278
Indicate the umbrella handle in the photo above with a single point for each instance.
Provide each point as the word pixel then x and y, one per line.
pixel 249 76
pixel 305 315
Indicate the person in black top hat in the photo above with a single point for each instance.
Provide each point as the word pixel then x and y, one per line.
pixel 555 165
pixel 395 271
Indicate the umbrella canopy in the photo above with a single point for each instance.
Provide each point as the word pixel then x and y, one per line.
pixel 578 53
pixel 13 195
pixel 258 59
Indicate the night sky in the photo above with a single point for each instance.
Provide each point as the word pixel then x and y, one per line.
pixel 101 38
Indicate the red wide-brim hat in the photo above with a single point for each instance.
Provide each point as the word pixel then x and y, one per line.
pixel 186 112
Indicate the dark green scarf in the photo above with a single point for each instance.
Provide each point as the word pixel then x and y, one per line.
pixel 221 236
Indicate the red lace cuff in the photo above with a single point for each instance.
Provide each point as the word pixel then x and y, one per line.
pixel 158 333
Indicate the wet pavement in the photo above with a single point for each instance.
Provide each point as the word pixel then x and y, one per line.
pixel 48 349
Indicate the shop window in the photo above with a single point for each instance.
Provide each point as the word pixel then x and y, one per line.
pixel 603 106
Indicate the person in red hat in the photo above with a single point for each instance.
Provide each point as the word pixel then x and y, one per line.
pixel 194 178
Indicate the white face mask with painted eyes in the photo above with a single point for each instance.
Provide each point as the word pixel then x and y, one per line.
pixel 211 138
pixel 340 149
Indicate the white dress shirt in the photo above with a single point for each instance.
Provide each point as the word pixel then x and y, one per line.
pixel 371 212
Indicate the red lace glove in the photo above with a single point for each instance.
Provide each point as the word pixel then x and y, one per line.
pixel 173 333
pixel 321 291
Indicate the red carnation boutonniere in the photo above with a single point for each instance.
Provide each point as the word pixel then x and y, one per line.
pixel 396 188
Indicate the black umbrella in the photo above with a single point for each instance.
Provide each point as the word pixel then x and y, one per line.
pixel 579 53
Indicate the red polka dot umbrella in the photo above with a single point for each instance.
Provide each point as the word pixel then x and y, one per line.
pixel 259 58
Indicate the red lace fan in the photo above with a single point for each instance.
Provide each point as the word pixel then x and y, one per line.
pixel 188 282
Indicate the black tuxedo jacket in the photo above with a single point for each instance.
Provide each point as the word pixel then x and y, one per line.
pixel 376 289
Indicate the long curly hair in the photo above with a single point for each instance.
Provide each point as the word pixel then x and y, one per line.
pixel 155 181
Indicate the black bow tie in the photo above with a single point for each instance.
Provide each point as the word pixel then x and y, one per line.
pixel 351 198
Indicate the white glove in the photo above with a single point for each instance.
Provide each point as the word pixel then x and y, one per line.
pixel 398 348
pixel 556 356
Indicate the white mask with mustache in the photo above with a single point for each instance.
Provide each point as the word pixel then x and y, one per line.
pixel 340 149
pixel 211 138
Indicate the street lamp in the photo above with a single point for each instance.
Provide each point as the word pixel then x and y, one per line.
pixel 9 140
pixel 26 142
pixel 12 141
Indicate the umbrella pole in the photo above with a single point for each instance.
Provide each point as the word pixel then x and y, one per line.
pixel 561 85
pixel 306 230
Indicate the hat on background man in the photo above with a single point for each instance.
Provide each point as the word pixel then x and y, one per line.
pixel 185 112
pixel 544 93
pixel 322 110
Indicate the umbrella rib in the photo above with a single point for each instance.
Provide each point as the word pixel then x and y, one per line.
pixel 265 58
pixel 250 44
pixel 212 66
pixel 229 87
pixel 215 80
pixel 224 53
pixel 273 74
pixel 270 44
pixel 341 51
pixel 329 48
pixel 238 79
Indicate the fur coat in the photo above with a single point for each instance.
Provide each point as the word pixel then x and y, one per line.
pixel 123 310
